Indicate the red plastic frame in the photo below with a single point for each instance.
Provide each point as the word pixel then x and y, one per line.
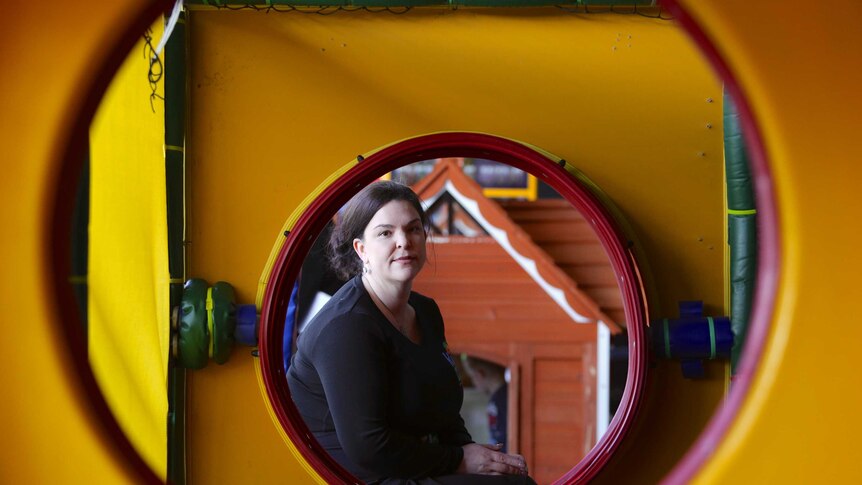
pixel 471 145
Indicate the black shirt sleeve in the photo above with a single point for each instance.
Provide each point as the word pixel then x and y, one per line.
pixel 353 374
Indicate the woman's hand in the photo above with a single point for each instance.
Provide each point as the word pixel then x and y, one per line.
pixel 489 460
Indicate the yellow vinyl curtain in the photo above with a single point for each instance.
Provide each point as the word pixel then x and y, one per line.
pixel 128 257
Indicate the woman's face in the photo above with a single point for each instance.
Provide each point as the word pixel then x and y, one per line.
pixel 393 244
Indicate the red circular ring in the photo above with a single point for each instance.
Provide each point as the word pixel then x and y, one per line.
pixel 470 145
pixel 768 256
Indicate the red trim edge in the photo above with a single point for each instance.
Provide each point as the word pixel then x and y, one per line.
pixel 768 270
pixel 473 145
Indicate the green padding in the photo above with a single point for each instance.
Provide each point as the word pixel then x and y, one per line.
pixel 193 335
pixel 357 3
pixel 422 3
pixel 175 119
pixel 666 333
pixel 742 234
pixel 740 195
pixel 742 230
pixel 175 86
pixel 224 320
pixel 323 3
pixel 175 106
pixel 711 337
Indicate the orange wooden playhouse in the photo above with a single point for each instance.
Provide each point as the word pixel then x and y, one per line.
pixel 525 284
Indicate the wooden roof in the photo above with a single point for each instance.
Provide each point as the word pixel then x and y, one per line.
pixel 562 232
pixel 517 244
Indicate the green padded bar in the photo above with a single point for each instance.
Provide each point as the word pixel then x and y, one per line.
pixel 742 228
pixel 194 339
pixel 224 321
pixel 742 235
pixel 81 241
pixel 740 195
pixel 711 337
pixel 175 120
pixel 666 334
pixel 421 3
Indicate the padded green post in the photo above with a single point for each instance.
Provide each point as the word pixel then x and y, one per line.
pixel 224 321
pixel 175 120
pixel 742 227
pixel 80 242
pixel 194 338
pixel 423 3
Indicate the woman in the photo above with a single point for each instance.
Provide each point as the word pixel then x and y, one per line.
pixel 372 376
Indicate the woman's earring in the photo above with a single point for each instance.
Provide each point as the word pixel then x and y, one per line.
pixel 366 269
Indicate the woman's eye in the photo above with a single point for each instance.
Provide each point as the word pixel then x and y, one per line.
pixel 384 233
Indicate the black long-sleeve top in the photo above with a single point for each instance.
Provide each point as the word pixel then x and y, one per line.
pixel 381 405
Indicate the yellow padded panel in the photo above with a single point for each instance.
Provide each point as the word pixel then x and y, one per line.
pixel 128 276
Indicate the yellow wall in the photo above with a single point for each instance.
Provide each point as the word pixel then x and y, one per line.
pixel 128 276
pixel 279 101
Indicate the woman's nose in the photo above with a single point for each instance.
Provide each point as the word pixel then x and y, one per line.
pixel 401 240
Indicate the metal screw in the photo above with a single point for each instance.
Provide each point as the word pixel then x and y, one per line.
pixel 562 163
pixel 709 126
pixel 359 158
pixel 708 100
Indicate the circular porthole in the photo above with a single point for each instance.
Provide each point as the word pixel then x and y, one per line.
pixel 565 180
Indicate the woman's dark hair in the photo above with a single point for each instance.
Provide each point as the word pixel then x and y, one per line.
pixel 355 216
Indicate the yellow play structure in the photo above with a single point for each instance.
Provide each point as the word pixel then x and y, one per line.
pixel 278 104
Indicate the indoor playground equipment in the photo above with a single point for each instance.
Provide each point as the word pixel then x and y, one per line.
pixel 159 198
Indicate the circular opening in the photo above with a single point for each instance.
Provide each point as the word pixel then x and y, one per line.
pixel 470 145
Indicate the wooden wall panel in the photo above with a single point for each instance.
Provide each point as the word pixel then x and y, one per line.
pixel 501 305
pixel 558 414
pixel 493 308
